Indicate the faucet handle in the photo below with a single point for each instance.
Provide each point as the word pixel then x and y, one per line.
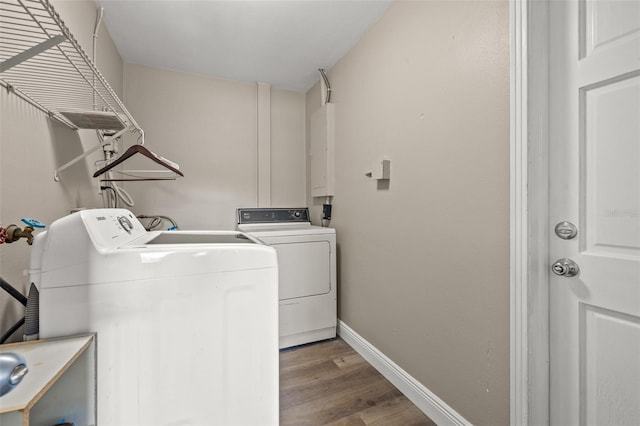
pixel 33 223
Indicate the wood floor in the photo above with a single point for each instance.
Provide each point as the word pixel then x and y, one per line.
pixel 328 383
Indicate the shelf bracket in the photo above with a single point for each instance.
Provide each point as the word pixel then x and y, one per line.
pixel 31 52
pixel 65 166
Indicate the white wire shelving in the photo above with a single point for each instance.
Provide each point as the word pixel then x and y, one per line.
pixel 42 63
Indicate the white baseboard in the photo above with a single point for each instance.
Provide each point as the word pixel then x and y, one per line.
pixel 436 409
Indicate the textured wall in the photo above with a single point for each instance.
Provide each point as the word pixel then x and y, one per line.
pixel 209 127
pixel 423 259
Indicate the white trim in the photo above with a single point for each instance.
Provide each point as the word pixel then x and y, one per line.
pixel 538 226
pixel 518 214
pixel 529 343
pixel 264 144
pixel 436 409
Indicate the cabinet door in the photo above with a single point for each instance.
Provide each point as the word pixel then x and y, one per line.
pixel 321 151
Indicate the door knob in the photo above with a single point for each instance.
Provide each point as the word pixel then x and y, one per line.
pixel 565 268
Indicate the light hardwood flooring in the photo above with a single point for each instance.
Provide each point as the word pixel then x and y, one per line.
pixel 328 383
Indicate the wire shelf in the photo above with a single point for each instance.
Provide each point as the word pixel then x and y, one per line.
pixel 42 62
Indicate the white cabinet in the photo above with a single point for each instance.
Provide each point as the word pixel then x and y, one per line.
pixel 60 385
pixel 321 151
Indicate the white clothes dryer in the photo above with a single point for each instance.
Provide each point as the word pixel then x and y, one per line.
pixel 306 267
pixel 186 321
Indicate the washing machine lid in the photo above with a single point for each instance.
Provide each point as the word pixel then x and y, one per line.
pixel 197 237
pixel 118 229
pixel 110 245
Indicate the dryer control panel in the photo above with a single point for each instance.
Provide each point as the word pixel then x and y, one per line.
pixel 273 215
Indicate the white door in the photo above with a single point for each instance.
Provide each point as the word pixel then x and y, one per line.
pixel 595 184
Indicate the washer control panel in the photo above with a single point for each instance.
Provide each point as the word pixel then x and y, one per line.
pixel 273 215
pixel 112 228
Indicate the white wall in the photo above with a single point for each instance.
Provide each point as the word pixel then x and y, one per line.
pixel 209 127
pixel 288 167
pixel 32 146
pixel 423 259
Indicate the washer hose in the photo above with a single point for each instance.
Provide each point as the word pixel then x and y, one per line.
pixel 20 298
pixel 32 315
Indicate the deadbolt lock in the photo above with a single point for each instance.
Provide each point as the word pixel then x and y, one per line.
pixel 566 230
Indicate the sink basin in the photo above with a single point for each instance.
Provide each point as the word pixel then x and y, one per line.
pixel 13 368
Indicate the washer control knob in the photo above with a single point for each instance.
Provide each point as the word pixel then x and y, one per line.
pixel 125 223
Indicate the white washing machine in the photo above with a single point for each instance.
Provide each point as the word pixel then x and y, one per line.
pixel 307 271
pixel 186 321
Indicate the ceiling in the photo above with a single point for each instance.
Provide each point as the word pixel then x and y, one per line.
pixel 278 42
